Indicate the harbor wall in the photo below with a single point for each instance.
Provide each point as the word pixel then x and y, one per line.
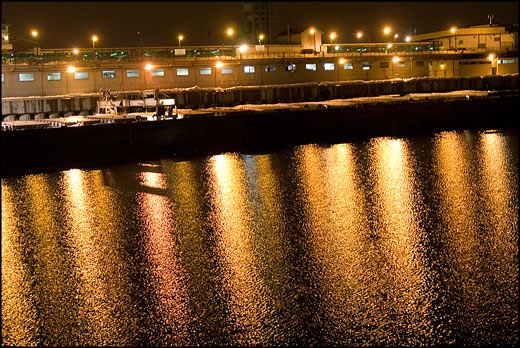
pixel 32 151
pixel 194 98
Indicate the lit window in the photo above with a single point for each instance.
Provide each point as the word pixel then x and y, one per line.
pixel 270 68
pixel 310 67
pixel 290 67
pixel 81 75
pixel 26 77
pixel 158 72
pixel 348 66
pixel 507 61
pixel 249 69
pixel 328 66
pixel 205 71
pixel 227 70
pixel 383 65
pixel 108 74
pixel 2 77
pixel 367 65
pixel 54 76
pixel 182 72
pixel 132 73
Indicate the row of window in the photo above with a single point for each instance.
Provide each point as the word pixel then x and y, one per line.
pixel 248 69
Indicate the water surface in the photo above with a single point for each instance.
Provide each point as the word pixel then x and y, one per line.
pixel 409 241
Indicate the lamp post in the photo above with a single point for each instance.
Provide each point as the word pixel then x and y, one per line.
pixel 341 62
pixel 217 66
pixel 387 30
pixel 313 32
pixel 395 37
pixel 70 70
pixel 453 30
pixel 229 33
pixel 94 39
pixel 395 60
pixel 260 38
pixel 180 39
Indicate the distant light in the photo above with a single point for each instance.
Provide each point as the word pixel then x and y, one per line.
pixel 387 30
pixel 491 56
pixel 121 52
pixel 243 48
pixel 442 66
pixel 34 33
pixel 148 66
pixel 333 35
pixel 396 36
pixel 359 35
pixel 312 31
pixel 230 31
pixel 94 38
pixel 6 37
pixel 261 36
pixel 341 61
pixel 75 51
pixel 219 64
pixel 71 69
pixel 389 45
pixel 453 30
pixel 181 37
pixel 396 59
pixel 336 47
pixel 408 39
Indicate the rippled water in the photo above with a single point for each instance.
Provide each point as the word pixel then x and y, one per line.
pixel 409 241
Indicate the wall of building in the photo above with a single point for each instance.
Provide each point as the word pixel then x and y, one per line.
pixel 380 68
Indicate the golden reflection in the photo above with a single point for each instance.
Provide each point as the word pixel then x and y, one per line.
pixel 170 313
pixel 501 204
pixel 397 209
pixel 95 317
pixel 115 262
pixel 234 228
pixel 453 171
pixel 498 178
pixel 153 180
pixel 55 270
pixel 19 313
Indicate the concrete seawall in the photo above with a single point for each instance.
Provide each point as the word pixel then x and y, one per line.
pixel 194 98
pixel 32 151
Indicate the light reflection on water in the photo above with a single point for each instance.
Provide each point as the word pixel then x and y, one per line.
pixel 391 241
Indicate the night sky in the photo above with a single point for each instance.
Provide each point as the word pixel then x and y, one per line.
pixel 71 24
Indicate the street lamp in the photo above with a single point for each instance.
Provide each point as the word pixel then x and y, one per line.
pixel 218 65
pixel 94 39
pixel 395 37
pixel 341 62
pixel 313 32
pixel 180 39
pixel 148 66
pixel 260 38
pixel 229 33
pixel 75 51
pixel 387 30
pixel 34 33
pixel 359 34
pixel 408 39
pixel 453 30
pixel 332 37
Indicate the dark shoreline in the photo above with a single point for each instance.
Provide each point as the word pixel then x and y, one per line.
pixel 35 151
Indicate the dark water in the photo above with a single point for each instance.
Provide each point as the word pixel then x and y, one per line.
pixel 406 242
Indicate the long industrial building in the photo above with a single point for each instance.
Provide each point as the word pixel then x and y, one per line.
pixel 474 51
